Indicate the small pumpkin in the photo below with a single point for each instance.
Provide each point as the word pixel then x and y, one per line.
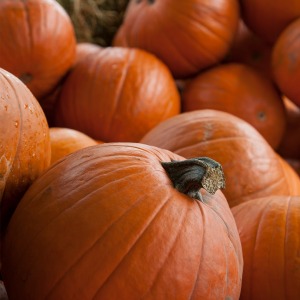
pixel 243 91
pixel 187 36
pixel 269 18
pixel 269 229
pixel 117 95
pixel 37 42
pixel 252 168
pixel 286 61
pixel 66 140
pixel 25 143
pixel 106 222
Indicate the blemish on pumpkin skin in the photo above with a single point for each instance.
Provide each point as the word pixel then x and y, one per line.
pixel 261 116
pixel 26 78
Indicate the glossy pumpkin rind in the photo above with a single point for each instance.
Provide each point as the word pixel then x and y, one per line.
pixel 242 91
pixel 121 230
pixel 25 143
pixel 37 42
pixel 187 35
pixel 252 168
pixel 117 95
pixel 269 228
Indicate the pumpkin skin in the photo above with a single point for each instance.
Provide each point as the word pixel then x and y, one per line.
pixel 65 141
pixel 117 95
pixel 121 230
pixel 268 18
pixel 44 32
pixel 242 91
pixel 248 48
pixel 286 61
pixel 252 168
pixel 85 49
pixel 25 143
pixel 187 35
pixel 269 229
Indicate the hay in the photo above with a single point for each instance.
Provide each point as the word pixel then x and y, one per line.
pixel 95 20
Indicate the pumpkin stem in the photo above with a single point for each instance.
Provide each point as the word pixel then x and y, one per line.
pixel 190 175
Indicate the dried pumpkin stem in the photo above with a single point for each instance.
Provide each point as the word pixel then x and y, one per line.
pixel 190 175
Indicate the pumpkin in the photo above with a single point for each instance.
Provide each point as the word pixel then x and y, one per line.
pixel 25 144
pixel 117 95
pixel 250 49
pixel 187 36
pixel 84 49
pixel 37 42
pixel 106 222
pixel 65 141
pixel 252 168
pixel 268 18
pixel 242 91
pixel 289 146
pixel 269 228
pixel 286 61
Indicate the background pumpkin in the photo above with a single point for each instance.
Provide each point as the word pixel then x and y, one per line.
pixel 268 18
pixel 37 42
pixel 117 94
pixel 286 61
pixel 252 168
pixel 242 91
pixel 65 141
pixel 107 223
pixel 25 143
pixel 187 35
pixel 269 229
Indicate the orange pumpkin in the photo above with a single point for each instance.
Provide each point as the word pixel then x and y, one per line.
pixel 187 35
pixel 37 42
pixel 85 49
pixel 65 141
pixel 242 91
pixel 25 143
pixel 268 18
pixel 250 49
pixel 117 94
pixel 269 229
pixel 286 61
pixel 106 223
pixel 252 168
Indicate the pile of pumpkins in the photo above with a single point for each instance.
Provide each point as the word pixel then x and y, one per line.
pixel 89 209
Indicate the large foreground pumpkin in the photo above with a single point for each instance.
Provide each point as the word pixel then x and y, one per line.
pixel 24 142
pixel 251 166
pixel 187 35
pixel 270 234
pixel 37 42
pixel 107 223
pixel 117 95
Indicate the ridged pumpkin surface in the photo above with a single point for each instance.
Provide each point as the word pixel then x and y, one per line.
pixel 107 223
pixel 117 95
pixel 270 234
pixel 251 166
pixel 38 42
pixel 24 142
pixel 187 35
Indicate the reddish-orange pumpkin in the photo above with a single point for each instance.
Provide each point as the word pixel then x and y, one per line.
pixel 65 141
pixel 117 94
pixel 37 42
pixel 106 223
pixel 187 35
pixel 85 49
pixel 270 229
pixel 250 49
pixel 242 91
pixel 268 18
pixel 24 143
pixel 286 61
pixel 251 166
